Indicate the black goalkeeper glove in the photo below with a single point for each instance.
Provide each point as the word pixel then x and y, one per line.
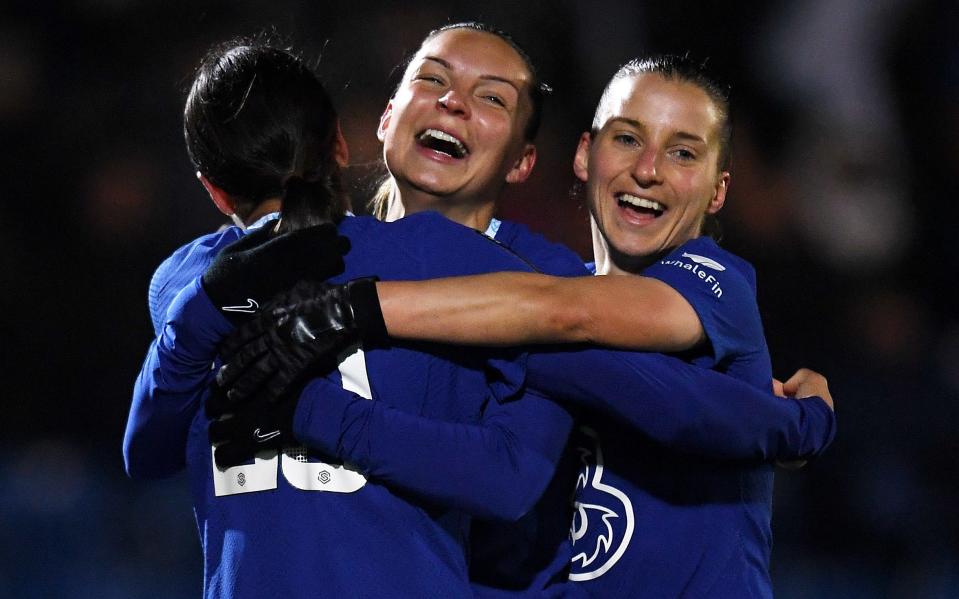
pixel 251 270
pixel 301 332
pixel 239 431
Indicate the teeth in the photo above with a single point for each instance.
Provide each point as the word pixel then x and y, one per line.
pixel 641 202
pixel 443 136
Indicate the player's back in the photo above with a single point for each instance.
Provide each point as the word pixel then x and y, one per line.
pixel 292 525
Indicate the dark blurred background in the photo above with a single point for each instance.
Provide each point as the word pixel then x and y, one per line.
pixel 843 195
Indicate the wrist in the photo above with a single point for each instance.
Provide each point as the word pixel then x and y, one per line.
pixel 319 416
pixel 367 314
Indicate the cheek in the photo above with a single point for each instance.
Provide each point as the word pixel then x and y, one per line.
pixel 594 201
pixel 405 106
pixel 693 188
pixel 605 168
pixel 495 133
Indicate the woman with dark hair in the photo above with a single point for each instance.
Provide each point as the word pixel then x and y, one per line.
pixel 655 166
pixel 231 124
pixel 263 136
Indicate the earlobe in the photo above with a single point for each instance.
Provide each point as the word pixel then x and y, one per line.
pixel 524 166
pixel 384 121
pixel 581 158
pixel 341 151
pixel 224 201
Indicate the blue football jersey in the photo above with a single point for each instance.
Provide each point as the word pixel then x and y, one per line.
pixel 653 522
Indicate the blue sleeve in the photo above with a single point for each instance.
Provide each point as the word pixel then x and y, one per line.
pixel 171 385
pixel 179 270
pixel 548 257
pixel 684 407
pixel 496 468
pixel 720 288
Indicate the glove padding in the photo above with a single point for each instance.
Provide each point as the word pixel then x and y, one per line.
pixel 254 426
pixel 254 268
pixel 300 333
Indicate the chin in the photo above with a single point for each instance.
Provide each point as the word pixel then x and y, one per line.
pixel 631 246
pixel 431 188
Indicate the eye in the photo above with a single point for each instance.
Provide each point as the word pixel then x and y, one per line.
pixel 626 139
pixel 684 154
pixel 495 100
pixel 435 79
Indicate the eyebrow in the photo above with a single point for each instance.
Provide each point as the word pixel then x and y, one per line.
pixel 680 134
pixel 447 65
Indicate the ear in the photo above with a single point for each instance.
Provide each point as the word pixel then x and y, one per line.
pixel 581 159
pixel 223 200
pixel 384 121
pixel 341 151
pixel 719 198
pixel 523 167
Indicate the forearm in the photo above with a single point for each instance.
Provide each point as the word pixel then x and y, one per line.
pixel 684 407
pixel 523 308
pixel 491 309
pixel 171 386
pixel 166 396
pixel 496 468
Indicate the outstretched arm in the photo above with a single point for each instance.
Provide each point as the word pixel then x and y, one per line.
pixel 688 408
pixel 630 312
pixel 495 468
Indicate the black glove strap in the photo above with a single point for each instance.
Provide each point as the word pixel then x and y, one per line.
pixel 366 311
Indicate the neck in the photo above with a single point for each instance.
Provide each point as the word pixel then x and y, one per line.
pixel 476 215
pixel 263 208
pixel 610 262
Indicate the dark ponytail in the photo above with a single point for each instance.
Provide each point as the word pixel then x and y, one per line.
pixel 309 203
pixel 259 124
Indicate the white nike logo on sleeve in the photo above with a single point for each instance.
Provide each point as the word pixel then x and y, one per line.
pixel 250 307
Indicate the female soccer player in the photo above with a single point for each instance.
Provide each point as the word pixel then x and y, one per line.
pixel 654 167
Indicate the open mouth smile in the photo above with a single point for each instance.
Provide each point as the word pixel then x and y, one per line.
pixel 443 143
pixel 641 206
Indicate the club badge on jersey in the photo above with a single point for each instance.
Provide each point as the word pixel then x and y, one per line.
pixel 603 521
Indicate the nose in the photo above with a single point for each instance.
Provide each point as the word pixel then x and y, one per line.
pixel 454 103
pixel 646 170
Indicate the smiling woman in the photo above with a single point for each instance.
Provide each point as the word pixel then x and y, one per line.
pixel 654 163
pixel 460 126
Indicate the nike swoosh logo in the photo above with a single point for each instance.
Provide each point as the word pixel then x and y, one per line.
pixel 264 438
pixel 250 307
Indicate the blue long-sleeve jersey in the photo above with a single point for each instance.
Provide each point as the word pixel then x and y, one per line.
pixel 650 521
pixel 300 524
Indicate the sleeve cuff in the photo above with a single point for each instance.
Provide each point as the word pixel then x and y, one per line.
pixel 822 436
